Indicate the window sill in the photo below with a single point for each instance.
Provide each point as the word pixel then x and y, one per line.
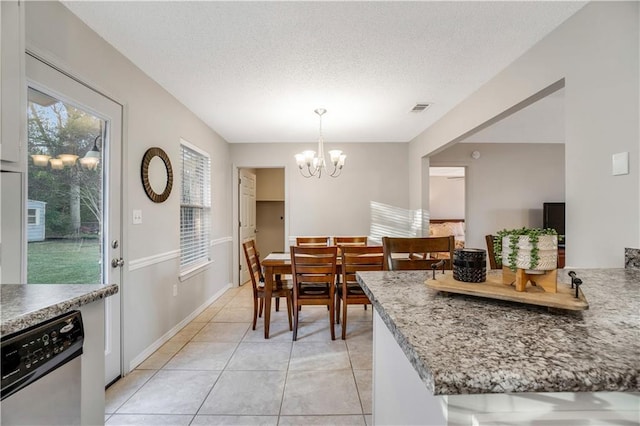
pixel 194 270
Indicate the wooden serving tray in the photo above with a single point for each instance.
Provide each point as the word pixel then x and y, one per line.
pixel 493 288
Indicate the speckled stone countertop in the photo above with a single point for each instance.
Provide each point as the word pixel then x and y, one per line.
pixel 24 305
pixel 462 344
pixel 632 258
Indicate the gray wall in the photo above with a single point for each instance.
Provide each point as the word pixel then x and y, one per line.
pixel 596 52
pixel 446 197
pixel 327 206
pixel 507 185
pixel 373 173
pixel 152 117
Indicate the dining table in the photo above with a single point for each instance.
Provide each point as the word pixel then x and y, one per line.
pixel 275 265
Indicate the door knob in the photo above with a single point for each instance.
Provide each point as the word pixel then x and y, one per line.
pixel 115 263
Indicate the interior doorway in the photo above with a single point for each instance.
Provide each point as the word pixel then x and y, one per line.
pixel 446 193
pixel 263 213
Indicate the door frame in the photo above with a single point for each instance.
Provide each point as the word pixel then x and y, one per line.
pixel 235 204
pixel 244 236
pixel 464 165
pixel 122 198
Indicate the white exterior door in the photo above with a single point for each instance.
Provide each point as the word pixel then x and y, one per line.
pixel 247 217
pixel 84 221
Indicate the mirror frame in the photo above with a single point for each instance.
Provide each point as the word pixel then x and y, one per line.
pixel 144 172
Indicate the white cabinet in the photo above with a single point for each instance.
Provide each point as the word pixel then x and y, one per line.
pixel 11 215
pixel 12 87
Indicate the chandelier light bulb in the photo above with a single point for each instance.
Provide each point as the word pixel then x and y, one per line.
pixel 92 157
pixel 68 159
pixel 308 157
pixel 56 163
pixel 40 160
pixel 89 163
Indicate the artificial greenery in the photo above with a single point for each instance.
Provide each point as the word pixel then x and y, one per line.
pixel 514 235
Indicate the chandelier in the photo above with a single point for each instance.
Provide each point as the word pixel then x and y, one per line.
pixel 89 161
pixel 311 165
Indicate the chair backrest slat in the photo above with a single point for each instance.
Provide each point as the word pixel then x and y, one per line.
pixel 312 241
pixel 417 253
pixel 253 262
pixel 366 258
pixel 350 241
pixel 494 263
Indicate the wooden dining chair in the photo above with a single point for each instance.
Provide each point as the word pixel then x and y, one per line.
pixel 417 253
pixel 349 292
pixel 494 263
pixel 281 288
pixel 312 241
pixel 314 277
pixel 360 241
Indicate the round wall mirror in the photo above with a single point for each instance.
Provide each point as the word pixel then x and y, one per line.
pixel 157 175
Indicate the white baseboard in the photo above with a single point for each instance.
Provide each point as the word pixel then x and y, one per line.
pixel 169 334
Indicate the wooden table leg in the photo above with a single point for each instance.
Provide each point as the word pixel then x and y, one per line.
pixel 268 287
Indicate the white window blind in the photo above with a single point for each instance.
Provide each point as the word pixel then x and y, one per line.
pixel 195 208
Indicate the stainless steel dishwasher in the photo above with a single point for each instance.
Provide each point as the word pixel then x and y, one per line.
pixel 41 373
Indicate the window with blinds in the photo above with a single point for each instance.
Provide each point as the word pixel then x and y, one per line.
pixel 195 208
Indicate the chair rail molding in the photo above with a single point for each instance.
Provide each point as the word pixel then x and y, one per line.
pixel 220 240
pixel 143 262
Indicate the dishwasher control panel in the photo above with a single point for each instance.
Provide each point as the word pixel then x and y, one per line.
pixel 30 354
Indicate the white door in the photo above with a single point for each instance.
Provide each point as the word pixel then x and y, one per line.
pixel 247 217
pixel 74 191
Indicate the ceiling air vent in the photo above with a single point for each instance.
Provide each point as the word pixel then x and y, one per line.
pixel 420 107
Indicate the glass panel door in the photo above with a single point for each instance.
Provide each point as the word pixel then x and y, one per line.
pixel 74 191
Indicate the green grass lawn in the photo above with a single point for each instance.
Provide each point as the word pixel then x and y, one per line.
pixel 64 262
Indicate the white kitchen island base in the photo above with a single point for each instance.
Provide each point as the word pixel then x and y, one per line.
pixel 400 397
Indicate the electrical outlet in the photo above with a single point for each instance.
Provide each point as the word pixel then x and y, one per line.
pixel 137 217
pixel 175 289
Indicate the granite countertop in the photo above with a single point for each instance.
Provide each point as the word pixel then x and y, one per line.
pixel 24 305
pixel 462 344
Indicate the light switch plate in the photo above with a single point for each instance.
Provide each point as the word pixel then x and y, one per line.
pixel 620 164
pixel 137 217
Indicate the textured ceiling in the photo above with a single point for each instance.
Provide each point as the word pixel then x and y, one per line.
pixel 255 71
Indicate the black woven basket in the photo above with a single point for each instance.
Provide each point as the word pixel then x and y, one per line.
pixel 470 265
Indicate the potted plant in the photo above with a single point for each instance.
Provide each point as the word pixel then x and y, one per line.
pixel 527 248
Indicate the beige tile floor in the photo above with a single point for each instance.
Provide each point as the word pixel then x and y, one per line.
pixel 217 371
